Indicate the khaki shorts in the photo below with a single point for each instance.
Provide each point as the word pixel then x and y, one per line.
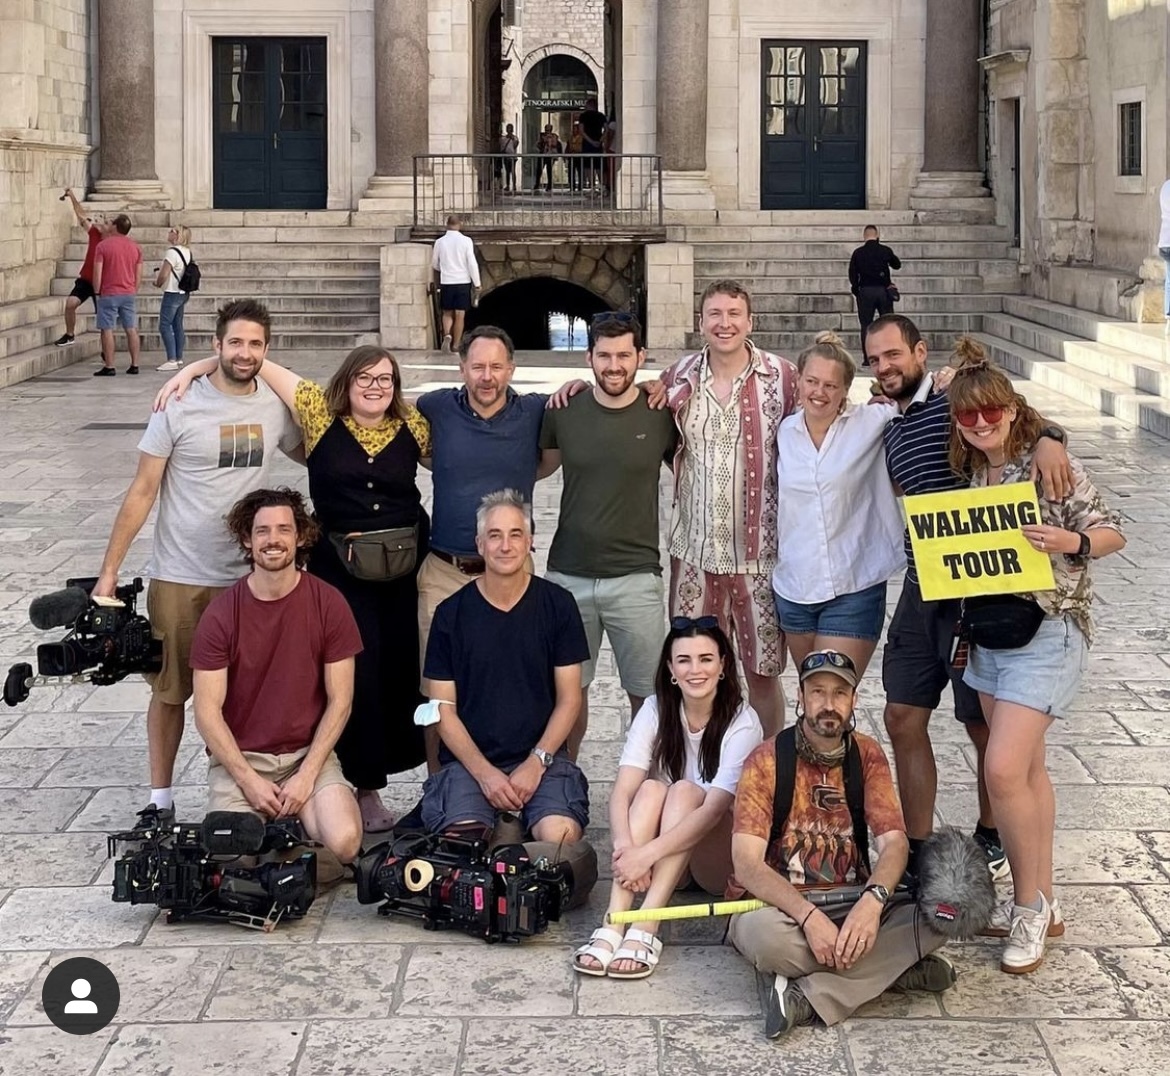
pixel 174 610
pixel 223 794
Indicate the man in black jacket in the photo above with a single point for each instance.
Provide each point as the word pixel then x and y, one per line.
pixel 869 278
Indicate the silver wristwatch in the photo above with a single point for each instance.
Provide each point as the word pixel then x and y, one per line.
pixel 879 891
pixel 546 759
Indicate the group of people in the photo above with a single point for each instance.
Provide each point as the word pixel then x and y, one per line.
pixel 593 135
pixel 111 277
pixel 415 637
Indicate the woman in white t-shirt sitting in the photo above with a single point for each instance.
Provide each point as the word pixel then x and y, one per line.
pixel 670 808
pixel 174 301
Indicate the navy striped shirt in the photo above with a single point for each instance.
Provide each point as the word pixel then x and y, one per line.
pixel 917 445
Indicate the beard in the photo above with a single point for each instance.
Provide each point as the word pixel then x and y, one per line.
pixel 908 389
pixel 613 387
pixel 827 723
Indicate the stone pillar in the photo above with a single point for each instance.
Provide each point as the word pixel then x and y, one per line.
pixel 126 100
pixel 950 165
pixel 401 111
pixel 681 109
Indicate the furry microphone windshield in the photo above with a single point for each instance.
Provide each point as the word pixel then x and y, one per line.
pixel 956 895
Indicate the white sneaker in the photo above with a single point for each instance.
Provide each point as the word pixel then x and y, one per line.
pixel 446 344
pixel 1024 951
pixel 1000 923
pixel 171 365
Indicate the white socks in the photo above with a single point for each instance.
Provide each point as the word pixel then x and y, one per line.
pixel 162 797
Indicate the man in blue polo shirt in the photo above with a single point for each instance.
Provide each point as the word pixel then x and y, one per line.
pixel 916 664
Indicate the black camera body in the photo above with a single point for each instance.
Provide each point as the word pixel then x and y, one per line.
pixel 188 868
pixel 452 883
pixel 107 639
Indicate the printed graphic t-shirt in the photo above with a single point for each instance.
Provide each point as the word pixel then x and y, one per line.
pixel 816 846
pixel 217 448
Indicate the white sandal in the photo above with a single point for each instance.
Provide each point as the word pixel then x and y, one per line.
pixel 645 949
pixel 602 956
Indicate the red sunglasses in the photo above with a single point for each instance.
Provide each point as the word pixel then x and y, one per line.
pixel 970 416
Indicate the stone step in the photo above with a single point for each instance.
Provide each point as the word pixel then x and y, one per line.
pixel 1107 395
pixel 811 230
pixel 266 288
pixel 797 248
pixel 231 218
pixel 352 323
pixel 1148 341
pixel 248 252
pixel 212 270
pixel 156 235
pixel 842 302
pixel 791 343
pixel 1145 375
pixel 1063 319
pixel 1029 334
pixel 811 324
pixel 26 311
pixel 47 358
pixel 202 304
pixel 736 268
pixel 929 285
pixel 199 342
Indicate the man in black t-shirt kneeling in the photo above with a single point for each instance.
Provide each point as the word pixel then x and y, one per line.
pixel 504 661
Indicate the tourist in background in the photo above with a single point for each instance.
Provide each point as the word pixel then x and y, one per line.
pixel 870 280
pixel 510 147
pixel 174 300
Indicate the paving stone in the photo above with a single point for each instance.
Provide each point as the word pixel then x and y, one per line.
pixel 155 986
pixel 1144 765
pixel 69 918
pixel 107 767
pixel 210 933
pixel 1112 807
pixel 347 922
pixel 112 809
pixel 1095 726
pixel 893 1005
pixel 1142 975
pixel 1147 727
pixel 708 980
pixel 989 1048
pixel 1113 1048
pixel 49 1052
pixel 132 694
pixel 25 767
pixel 1112 855
pixel 65 730
pixel 46 859
pixel 1104 914
pixel 402 1046
pixel 516 981
pixel 1064 768
pixel 303 982
pixel 40 810
pixel 534 1047
pixel 711 1047
pixel 1155 899
pixel 17 973
pixel 268 1049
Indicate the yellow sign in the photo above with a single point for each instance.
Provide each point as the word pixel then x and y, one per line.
pixel 970 542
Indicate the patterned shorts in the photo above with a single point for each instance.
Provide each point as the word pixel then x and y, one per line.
pixel 744 605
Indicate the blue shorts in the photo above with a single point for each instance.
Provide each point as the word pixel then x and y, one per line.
pixel 117 310
pixel 453 795
pixel 1044 675
pixel 849 616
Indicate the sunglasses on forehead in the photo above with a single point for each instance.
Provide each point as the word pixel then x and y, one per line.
pixel 685 623
pixel 820 658
pixel 622 317
pixel 969 416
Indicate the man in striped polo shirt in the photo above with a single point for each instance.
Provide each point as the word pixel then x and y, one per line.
pixel 917 665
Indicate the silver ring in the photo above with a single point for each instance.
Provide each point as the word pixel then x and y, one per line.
pixel 1041 543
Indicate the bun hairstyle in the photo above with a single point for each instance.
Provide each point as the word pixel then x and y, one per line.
pixel 828 345
pixel 980 383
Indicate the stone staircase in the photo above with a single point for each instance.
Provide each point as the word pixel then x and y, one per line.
pixel 1119 367
pixel 28 328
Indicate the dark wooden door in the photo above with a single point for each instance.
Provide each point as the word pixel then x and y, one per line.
pixel 270 134
pixel 812 152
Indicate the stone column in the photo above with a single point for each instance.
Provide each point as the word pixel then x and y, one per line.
pixel 126 100
pixel 681 109
pixel 401 111
pixel 950 164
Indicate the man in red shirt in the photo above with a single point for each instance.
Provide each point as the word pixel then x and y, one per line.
pixel 273 670
pixel 97 228
pixel 117 276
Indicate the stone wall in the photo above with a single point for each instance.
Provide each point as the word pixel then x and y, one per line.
pixel 44 137
pixel 603 269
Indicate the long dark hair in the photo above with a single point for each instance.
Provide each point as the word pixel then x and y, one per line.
pixel 669 744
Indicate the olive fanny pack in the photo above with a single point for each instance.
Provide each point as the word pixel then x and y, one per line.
pixel 378 556
pixel 1000 621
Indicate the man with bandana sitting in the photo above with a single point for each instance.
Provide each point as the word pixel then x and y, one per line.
pixel 807 831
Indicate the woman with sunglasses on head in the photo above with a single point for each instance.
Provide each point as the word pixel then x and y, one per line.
pixel 670 808
pixel 839 527
pixel 363 442
pixel 1024 689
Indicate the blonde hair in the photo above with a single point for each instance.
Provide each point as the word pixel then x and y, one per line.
pixel 828 345
pixel 182 235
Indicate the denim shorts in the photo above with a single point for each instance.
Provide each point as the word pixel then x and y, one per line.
pixel 117 310
pixel 1044 675
pixel 849 616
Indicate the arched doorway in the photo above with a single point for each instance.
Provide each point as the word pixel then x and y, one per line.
pixel 555 91
pixel 524 309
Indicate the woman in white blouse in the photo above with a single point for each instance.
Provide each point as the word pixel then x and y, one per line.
pixel 670 808
pixel 839 526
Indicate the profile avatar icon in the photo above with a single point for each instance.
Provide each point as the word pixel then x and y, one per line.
pixel 81 1003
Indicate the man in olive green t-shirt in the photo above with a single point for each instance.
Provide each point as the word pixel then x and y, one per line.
pixel 605 551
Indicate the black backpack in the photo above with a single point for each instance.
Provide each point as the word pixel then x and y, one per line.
pixel 854 794
pixel 190 276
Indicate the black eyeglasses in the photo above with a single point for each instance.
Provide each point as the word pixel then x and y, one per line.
pixel 685 623
pixel 821 658
pixel 622 317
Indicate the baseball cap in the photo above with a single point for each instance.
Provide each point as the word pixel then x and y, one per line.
pixel 830 661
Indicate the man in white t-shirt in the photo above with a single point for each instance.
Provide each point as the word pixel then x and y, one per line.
pixel 1164 245
pixel 457 274
pixel 197 458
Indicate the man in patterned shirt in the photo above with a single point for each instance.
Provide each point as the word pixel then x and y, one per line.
pixel 817 964
pixel 728 401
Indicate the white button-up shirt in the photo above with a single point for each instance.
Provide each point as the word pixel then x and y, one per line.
pixel 454 258
pixel 840 526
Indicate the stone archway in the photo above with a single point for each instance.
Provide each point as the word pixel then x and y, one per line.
pixel 606 270
pixel 597 70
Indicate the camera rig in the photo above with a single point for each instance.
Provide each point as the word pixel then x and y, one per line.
pixel 192 871
pixel 457 883
pixel 107 639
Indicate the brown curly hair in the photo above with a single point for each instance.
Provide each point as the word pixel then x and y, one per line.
pixel 980 383
pixel 243 514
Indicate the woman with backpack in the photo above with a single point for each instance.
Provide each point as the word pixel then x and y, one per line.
pixel 170 275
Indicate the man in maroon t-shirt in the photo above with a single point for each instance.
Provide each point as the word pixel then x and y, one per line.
pixel 97 228
pixel 273 670
pixel 117 276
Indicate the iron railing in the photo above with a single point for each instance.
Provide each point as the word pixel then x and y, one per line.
pixel 602 192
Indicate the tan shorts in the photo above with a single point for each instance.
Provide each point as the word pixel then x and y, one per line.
pixel 744 605
pixel 174 610
pixel 223 794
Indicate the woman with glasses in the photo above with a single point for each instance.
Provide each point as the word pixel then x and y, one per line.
pixel 363 442
pixel 839 527
pixel 1025 688
pixel 670 809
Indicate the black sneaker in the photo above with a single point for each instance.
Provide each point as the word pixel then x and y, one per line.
pixel 933 973
pixel 783 1004
pixel 152 816
pixel 131 369
pixel 104 371
pixel 997 862
pixel 64 340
